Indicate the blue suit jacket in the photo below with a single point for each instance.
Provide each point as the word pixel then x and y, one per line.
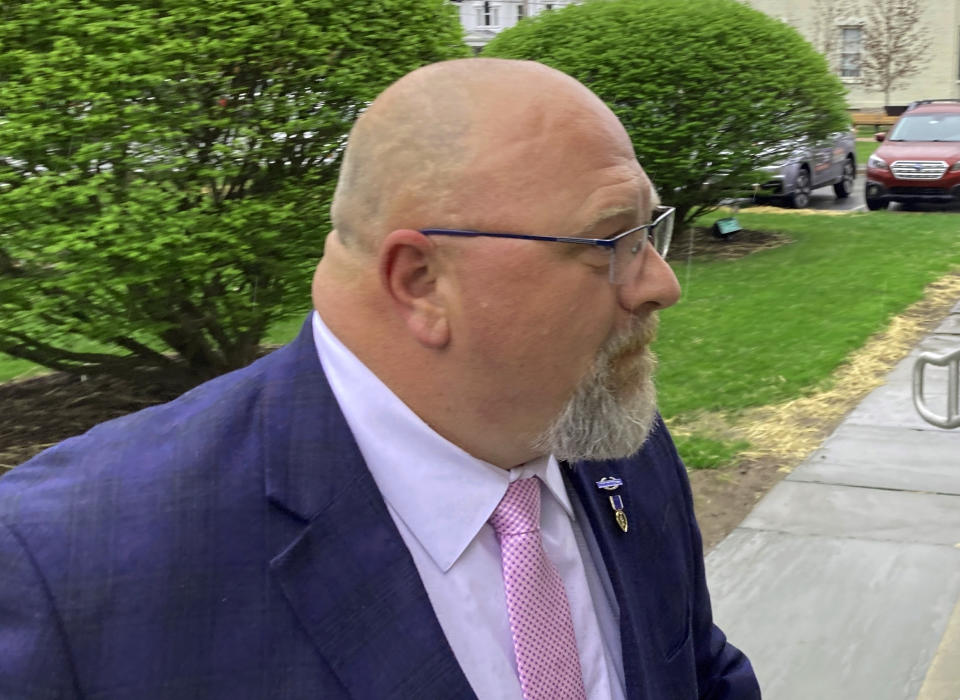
pixel 232 544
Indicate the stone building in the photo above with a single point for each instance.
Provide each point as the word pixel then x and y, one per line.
pixel 838 29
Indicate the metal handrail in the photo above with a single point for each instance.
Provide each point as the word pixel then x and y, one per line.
pixel 952 361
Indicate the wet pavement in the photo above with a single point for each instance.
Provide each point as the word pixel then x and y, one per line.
pixel 823 198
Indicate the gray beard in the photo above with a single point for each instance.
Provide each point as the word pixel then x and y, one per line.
pixel 612 409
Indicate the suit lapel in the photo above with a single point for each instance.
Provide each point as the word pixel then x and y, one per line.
pixel 634 559
pixel 346 571
pixel 622 552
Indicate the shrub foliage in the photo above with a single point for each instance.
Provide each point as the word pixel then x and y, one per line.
pixel 166 167
pixel 709 90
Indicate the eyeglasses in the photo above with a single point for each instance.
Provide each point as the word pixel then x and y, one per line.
pixel 625 247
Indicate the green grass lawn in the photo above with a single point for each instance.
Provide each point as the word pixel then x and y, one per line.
pixel 285 330
pixel 863 150
pixel 11 368
pixel 774 325
pixel 279 333
pixel 865 132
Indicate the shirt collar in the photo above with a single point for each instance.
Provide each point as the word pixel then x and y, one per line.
pixel 440 492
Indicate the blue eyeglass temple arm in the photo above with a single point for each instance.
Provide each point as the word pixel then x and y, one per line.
pixel 660 213
pixel 602 242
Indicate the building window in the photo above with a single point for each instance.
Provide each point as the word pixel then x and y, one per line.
pixel 851 44
pixel 521 10
pixel 488 14
pixel 549 6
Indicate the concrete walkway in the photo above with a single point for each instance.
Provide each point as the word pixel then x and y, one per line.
pixel 844 581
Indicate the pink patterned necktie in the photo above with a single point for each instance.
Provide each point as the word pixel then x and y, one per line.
pixel 543 638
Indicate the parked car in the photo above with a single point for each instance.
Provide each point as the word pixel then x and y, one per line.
pixel 830 161
pixel 919 160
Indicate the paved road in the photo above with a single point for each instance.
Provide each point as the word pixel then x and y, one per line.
pixel 843 583
pixel 824 198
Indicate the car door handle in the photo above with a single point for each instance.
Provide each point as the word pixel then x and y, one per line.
pixel 951 360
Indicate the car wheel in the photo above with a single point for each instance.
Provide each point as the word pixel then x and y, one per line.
pixel 800 197
pixel 876 204
pixel 844 188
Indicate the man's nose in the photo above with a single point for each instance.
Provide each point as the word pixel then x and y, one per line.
pixel 652 285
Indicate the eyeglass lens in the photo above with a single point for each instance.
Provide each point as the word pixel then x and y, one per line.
pixel 627 256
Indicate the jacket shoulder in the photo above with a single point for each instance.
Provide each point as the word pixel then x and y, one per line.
pixel 146 458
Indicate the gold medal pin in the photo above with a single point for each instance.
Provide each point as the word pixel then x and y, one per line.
pixel 616 502
pixel 612 483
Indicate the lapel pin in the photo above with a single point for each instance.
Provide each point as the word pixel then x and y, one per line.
pixel 609 483
pixel 616 502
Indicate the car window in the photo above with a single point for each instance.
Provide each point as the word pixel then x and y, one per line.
pixel 927 127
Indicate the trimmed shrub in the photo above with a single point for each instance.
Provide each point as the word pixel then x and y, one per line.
pixel 709 90
pixel 166 167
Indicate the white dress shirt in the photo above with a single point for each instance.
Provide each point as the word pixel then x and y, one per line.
pixel 440 498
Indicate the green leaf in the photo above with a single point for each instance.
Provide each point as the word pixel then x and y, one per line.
pixel 167 167
pixel 703 87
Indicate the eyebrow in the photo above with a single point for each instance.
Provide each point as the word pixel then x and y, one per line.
pixel 602 216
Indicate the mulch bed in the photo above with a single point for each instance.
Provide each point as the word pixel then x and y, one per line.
pixel 39 412
pixel 703 244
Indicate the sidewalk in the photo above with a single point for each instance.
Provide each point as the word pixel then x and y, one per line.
pixel 844 581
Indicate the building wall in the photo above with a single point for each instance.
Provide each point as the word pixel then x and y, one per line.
pixel 940 76
pixel 483 20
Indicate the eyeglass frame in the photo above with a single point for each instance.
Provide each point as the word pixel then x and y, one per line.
pixel 661 214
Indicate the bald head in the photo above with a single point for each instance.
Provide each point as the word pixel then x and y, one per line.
pixel 431 148
pixel 485 337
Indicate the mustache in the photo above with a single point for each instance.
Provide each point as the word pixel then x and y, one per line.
pixel 639 333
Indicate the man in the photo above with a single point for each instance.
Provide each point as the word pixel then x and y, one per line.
pixel 334 521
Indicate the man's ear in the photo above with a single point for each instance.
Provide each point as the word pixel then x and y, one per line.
pixel 410 273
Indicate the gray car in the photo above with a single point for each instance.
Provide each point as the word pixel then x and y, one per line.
pixel 808 166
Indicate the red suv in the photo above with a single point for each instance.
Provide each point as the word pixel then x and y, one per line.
pixel 919 160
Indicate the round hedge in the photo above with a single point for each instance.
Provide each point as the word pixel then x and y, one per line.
pixel 703 87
